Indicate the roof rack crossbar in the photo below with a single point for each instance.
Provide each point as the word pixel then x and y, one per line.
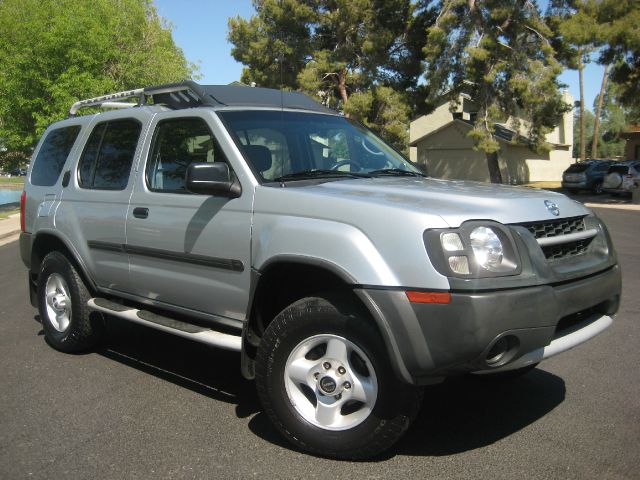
pixel 115 100
pixel 108 99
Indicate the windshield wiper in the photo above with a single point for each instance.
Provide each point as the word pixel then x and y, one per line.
pixel 396 172
pixel 306 174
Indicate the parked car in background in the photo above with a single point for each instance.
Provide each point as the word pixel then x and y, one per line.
pixel 587 175
pixel 19 172
pixel 621 176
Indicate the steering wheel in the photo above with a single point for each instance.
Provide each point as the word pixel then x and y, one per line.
pixel 347 162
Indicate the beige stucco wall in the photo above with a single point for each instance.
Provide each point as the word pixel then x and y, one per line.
pixel 449 154
pixel 521 165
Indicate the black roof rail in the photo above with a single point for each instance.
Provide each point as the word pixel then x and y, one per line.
pixel 189 94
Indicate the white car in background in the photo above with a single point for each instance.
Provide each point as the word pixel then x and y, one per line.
pixel 621 177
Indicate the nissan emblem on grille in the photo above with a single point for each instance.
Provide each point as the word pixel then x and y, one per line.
pixel 552 207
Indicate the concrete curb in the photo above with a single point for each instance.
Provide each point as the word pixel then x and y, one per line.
pixel 9 234
pixel 620 206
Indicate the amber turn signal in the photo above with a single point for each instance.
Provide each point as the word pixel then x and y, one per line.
pixel 428 297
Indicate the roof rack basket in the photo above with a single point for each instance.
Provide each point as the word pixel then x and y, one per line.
pixel 176 95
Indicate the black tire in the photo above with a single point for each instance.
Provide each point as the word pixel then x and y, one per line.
pixel 84 327
pixel 396 403
pixel 597 188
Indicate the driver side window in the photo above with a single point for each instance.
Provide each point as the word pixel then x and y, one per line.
pixel 176 144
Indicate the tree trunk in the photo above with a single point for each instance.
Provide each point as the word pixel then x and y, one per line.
pixel 494 167
pixel 583 146
pixel 342 89
pixel 596 125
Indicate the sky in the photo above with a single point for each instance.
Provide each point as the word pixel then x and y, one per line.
pixel 200 29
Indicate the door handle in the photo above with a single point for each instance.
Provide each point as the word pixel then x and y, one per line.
pixel 140 212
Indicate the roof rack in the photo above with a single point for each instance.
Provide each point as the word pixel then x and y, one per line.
pixel 189 94
pixel 181 92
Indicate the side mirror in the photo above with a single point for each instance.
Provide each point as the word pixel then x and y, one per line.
pixel 212 179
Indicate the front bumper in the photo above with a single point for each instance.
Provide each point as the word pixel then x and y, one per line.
pixel 427 341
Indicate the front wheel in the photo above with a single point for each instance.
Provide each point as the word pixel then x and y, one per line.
pixel 325 381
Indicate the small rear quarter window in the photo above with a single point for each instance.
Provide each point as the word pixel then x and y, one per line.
pixel 52 155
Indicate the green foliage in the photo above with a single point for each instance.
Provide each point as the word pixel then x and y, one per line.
pixel 339 51
pixel 609 27
pixel 55 52
pixel 384 110
pixel 11 160
pixel 613 122
pixel 619 34
pixel 500 53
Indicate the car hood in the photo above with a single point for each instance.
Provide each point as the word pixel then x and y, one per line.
pixel 454 201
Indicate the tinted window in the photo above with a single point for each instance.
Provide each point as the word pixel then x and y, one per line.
pixel 623 169
pixel 577 167
pixel 52 155
pixel 177 143
pixel 108 155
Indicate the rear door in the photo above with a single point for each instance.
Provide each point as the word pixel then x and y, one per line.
pixel 188 250
pixel 43 186
pixel 95 202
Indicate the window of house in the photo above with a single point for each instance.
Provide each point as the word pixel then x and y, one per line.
pixel 52 155
pixel 176 144
pixel 108 155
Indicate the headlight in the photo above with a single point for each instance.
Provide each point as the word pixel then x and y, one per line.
pixel 476 249
pixel 487 248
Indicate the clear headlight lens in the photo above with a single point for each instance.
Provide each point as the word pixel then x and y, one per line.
pixel 451 242
pixel 487 248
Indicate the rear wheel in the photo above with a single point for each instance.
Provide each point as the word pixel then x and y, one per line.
pixel 326 383
pixel 68 324
pixel 597 188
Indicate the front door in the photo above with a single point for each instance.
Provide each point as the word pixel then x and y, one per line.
pixel 188 250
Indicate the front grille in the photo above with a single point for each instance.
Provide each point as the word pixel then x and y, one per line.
pixel 554 252
pixel 553 228
pixel 557 228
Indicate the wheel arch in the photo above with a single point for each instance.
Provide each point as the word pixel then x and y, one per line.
pixel 286 278
pixel 48 241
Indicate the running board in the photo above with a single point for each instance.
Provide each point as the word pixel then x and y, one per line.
pixel 167 324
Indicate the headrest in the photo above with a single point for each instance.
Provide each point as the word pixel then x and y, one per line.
pixel 259 156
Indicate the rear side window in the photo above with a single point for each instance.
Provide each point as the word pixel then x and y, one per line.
pixel 52 156
pixel 107 157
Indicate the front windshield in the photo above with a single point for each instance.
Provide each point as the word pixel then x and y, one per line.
pixel 294 145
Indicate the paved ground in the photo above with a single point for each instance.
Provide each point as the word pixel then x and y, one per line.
pixel 148 405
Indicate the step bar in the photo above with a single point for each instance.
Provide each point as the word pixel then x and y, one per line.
pixel 166 324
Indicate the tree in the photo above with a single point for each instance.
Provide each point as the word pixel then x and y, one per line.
pixel 499 51
pixel 339 51
pixel 598 113
pixel 576 22
pixel 619 36
pixel 587 128
pixel 614 121
pixel 54 52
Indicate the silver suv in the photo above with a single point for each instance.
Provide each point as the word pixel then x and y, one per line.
pixel 258 221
